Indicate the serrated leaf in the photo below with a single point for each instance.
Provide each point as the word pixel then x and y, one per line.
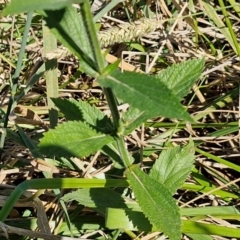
pixel 145 93
pixel 173 166
pixel 99 199
pixel 156 202
pixel 127 219
pixel 82 111
pixel 73 139
pixel 67 26
pixel 19 6
pixel 181 77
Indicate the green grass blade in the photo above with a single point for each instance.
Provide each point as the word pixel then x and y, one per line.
pixel 30 84
pixel 50 45
pixel 219 23
pixel 209 229
pixel 235 6
pixel 230 29
pixel 106 9
pixel 204 189
pixel 62 183
pixel 218 159
pixel 12 102
pixel 18 68
pixel 213 211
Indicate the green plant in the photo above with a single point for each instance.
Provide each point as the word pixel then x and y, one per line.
pixel 89 130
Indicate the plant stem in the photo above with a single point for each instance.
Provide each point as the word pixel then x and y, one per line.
pixel 92 34
pixel 123 152
pixel 112 103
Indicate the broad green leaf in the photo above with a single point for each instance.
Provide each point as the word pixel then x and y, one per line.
pixel 156 202
pixel 98 199
pixel 67 26
pixel 145 93
pixel 19 6
pixel 73 139
pixel 173 166
pixel 118 218
pixel 180 77
pixel 69 108
pixel 82 111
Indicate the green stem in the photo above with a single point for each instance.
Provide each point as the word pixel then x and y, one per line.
pixel 123 152
pixel 112 103
pixel 100 64
pixel 64 183
pixel 115 237
pixel 93 38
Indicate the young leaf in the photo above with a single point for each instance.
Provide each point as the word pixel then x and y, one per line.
pixel 19 6
pixel 180 77
pixel 73 139
pixel 67 26
pixel 82 111
pixel 156 202
pixel 145 93
pixel 173 166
